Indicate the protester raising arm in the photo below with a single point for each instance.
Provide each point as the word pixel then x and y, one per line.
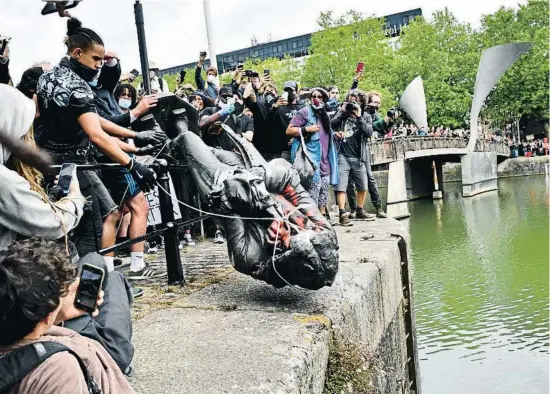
pixel 198 77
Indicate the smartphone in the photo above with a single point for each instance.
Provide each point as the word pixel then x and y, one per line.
pixel 284 96
pixel 66 177
pixel 240 65
pixel 182 75
pixel 91 280
pixel 266 71
pixel 134 72
pixel 203 54
pixel 360 67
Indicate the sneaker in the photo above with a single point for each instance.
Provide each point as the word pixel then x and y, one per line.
pixel 146 272
pixel 151 248
pixel 137 292
pixel 362 215
pixel 218 238
pixel 344 220
pixel 351 215
pixel 189 239
pixel 380 213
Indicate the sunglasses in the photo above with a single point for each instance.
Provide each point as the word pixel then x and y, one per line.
pixel 318 96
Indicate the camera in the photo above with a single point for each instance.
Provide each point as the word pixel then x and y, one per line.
pixel 392 112
pixel 370 109
pixel 203 54
pixel 350 107
pixel 251 74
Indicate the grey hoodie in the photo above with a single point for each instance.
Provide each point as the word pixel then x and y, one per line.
pixel 22 210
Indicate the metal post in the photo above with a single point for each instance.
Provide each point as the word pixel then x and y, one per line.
pixel 210 35
pixel 140 25
pixel 171 240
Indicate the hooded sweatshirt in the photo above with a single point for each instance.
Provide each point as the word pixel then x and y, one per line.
pixel 22 211
pixel 61 374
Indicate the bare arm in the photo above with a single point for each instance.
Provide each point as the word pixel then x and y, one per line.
pixel 90 123
pixel 208 120
pixel 114 129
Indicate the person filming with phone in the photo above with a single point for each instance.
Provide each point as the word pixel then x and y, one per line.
pixel 212 86
pixel 26 210
pixel 39 291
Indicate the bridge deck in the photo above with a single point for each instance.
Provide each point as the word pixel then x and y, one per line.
pixel 389 150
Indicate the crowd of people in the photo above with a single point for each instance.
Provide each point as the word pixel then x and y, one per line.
pixel 84 110
pixel 532 148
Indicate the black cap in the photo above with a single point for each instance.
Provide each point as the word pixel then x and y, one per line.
pixel 226 91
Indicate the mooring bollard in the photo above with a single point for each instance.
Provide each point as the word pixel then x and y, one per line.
pixel 171 240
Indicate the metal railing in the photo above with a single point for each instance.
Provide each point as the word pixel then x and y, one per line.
pixel 388 150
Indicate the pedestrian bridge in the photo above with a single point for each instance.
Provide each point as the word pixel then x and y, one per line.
pixel 416 167
pixel 385 151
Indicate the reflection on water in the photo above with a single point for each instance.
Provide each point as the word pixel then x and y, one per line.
pixel 481 289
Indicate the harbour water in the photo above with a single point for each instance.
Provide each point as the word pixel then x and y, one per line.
pixel 481 276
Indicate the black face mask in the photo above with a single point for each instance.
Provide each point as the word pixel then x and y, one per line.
pixel 86 73
pixel 270 99
pixel 370 109
pixel 238 109
pixel 291 97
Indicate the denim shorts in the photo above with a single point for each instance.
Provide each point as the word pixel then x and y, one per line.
pixel 351 167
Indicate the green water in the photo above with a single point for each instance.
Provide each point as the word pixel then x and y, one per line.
pixel 481 275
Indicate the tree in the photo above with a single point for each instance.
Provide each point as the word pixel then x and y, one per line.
pixel 523 90
pixel 445 53
pixel 345 41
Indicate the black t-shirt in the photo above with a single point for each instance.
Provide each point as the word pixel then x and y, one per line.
pixel 355 130
pixel 62 97
pixel 247 123
pixel 277 121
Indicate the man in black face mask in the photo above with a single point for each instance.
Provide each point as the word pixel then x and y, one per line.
pixel 381 125
pixel 277 120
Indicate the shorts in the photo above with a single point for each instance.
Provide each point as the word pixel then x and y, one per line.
pixel 351 167
pixel 319 191
pixel 121 184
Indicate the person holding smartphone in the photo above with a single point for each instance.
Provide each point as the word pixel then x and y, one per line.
pixel 212 85
pixel 38 287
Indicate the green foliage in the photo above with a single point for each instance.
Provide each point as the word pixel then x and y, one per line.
pixel 523 90
pixel 445 53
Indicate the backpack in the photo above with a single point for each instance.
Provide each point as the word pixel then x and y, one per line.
pixel 15 365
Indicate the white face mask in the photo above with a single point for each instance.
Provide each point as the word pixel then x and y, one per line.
pixel 211 78
pixel 124 103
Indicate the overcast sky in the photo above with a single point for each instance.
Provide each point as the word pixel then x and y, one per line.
pixel 176 31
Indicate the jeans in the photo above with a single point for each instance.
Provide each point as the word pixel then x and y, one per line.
pixel 372 184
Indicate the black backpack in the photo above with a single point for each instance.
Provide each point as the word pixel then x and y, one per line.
pixel 15 365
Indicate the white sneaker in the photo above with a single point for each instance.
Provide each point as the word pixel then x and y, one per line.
pixel 151 249
pixel 218 238
pixel 189 239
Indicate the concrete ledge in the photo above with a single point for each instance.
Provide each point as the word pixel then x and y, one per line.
pixel 243 336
